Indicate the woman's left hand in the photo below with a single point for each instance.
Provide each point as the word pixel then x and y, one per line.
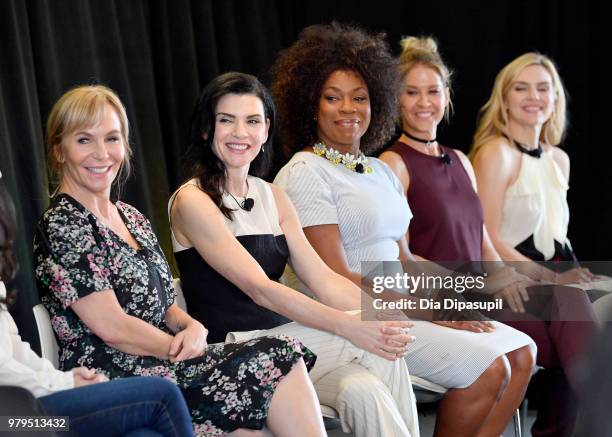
pixel 473 326
pixel 188 343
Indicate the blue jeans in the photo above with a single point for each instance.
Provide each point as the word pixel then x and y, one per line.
pixel 136 406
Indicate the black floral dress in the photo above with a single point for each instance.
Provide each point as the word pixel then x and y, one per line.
pixel 75 254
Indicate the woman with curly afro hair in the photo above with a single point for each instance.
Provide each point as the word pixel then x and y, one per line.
pixel 302 70
pixel 337 92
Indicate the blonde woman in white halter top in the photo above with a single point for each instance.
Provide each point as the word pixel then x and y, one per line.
pixel 522 179
pixel 522 175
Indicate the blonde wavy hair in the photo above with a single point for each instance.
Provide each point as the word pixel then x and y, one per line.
pixel 423 50
pixel 493 119
pixel 83 107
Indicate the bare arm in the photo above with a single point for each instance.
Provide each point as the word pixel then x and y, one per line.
pixel 190 335
pixel 326 241
pixel 398 166
pixel 330 287
pixel 198 223
pixel 177 319
pixel 101 312
pixel 488 250
pixel 495 166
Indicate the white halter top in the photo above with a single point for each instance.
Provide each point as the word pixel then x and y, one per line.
pixel 536 204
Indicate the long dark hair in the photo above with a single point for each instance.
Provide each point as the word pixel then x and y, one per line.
pixel 8 264
pixel 200 161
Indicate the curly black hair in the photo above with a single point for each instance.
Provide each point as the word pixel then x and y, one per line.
pixel 301 70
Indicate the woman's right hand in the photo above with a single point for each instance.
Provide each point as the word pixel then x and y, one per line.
pixel 385 339
pixel 188 343
pixel 83 376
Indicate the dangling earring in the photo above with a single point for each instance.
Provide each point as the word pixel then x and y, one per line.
pixel 263 149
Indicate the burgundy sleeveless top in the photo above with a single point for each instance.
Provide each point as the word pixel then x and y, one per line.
pixel 448 217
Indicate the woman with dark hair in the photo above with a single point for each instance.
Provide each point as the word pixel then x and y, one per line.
pixel 133 405
pixel 337 89
pixel 109 291
pixel 232 234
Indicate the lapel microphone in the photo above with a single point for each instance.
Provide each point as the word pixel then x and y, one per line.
pixel 248 203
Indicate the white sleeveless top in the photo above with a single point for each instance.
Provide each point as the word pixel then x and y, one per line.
pixel 536 204
pixel 262 219
pixel 370 209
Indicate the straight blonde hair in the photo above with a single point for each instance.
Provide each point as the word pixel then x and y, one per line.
pixel 493 119
pixel 83 107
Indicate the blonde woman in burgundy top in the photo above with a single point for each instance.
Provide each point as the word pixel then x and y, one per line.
pixel 448 225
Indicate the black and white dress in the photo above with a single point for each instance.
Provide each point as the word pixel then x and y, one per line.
pixel 260 234
pixel 353 381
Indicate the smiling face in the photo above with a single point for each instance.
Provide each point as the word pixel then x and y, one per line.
pixel 241 128
pixel 344 111
pixel 90 157
pixel 423 101
pixel 530 99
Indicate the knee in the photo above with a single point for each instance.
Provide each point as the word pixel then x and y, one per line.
pixel 498 375
pixel 575 297
pixel 362 388
pixel 523 359
pixel 162 389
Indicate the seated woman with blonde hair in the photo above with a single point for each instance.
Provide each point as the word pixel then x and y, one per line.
pixel 108 288
pixel 522 174
pixel 31 386
pixel 522 179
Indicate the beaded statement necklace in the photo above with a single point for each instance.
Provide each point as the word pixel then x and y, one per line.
pixel 354 163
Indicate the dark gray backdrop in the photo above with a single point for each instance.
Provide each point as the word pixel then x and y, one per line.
pixel 157 55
